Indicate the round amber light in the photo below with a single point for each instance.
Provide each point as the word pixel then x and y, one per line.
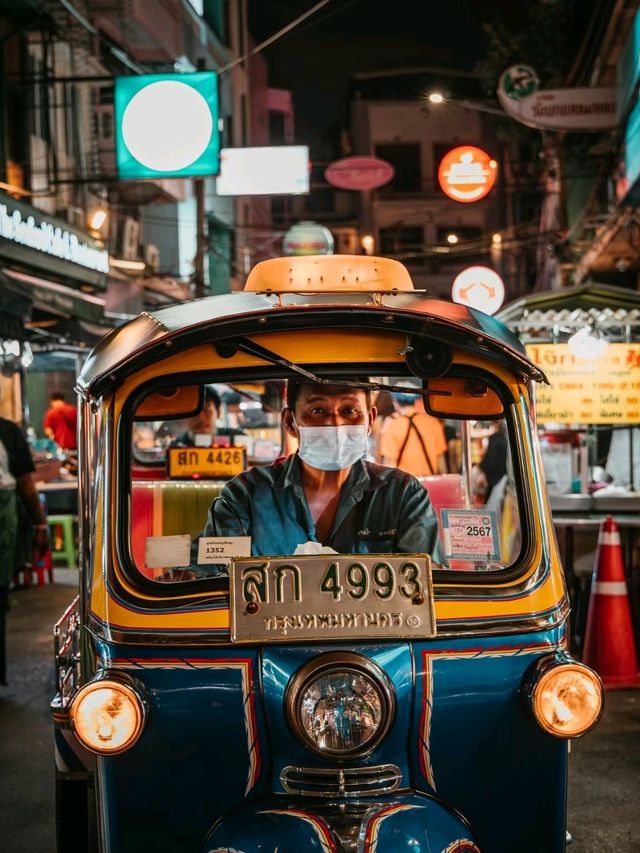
pixel 107 716
pixel 567 700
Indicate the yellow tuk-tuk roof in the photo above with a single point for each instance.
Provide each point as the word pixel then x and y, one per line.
pixel 373 304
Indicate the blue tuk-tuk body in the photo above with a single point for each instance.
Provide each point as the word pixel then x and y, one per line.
pixel 466 763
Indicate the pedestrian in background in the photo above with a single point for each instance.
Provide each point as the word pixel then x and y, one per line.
pixel 61 422
pixel 17 482
pixel 203 430
pixel 493 465
pixel 412 440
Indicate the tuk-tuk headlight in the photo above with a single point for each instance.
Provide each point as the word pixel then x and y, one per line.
pixel 340 705
pixel 108 714
pixel 566 697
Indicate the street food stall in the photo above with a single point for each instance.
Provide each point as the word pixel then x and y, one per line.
pixel 587 341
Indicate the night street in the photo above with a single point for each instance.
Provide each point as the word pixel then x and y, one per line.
pixel 320 365
pixel 604 766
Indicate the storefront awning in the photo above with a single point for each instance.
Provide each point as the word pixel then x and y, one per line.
pixel 57 298
pixel 15 308
pixel 612 309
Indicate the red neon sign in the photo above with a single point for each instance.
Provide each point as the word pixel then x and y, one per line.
pixel 467 173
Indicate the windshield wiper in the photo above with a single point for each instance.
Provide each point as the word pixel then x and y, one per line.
pixel 227 350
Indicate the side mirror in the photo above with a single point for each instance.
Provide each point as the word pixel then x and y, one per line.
pixel 183 402
pixel 462 398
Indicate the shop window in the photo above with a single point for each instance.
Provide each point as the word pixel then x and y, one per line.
pixel 405 159
pixel 404 241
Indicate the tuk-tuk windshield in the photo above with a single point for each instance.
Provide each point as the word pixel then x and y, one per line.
pixel 279 467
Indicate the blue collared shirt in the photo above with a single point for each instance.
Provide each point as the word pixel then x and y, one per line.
pixel 380 510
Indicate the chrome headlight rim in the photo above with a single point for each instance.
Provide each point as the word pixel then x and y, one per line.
pixel 339 662
pixel 117 680
pixel 534 681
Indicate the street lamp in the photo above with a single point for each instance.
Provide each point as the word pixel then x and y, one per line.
pixel 475 106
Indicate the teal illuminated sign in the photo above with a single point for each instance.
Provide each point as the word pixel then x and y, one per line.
pixel 167 125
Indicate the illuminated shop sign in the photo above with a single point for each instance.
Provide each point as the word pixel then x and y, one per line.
pixel 478 287
pixel 264 170
pixel 359 173
pixel 467 173
pixel 308 238
pixel 580 108
pixel 597 390
pixel 167 125
pixel 50 239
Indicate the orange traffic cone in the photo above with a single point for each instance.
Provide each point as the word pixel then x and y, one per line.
pixel 609 645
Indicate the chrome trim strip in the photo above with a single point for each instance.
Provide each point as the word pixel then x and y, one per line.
pixel 448 630
pixel 66 651
pixel 341 781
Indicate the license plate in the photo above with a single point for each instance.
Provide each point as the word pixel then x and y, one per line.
pixel 205 462
pixel 341 597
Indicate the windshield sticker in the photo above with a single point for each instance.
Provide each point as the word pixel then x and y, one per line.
pixel 163 551
pixel 470 534
pixel 220 549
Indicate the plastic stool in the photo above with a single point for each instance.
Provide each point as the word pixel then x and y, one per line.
pixel 42 564
pixel 67 553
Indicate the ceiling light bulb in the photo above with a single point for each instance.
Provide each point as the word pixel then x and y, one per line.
pixel 588 344
pixel 436 98
pixel 98 219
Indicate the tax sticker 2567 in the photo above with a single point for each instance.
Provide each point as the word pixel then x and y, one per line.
pixel 470 534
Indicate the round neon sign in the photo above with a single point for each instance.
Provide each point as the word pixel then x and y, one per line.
pixel 308 238
pixel 359 173
pixel 467 173
pixel 478 287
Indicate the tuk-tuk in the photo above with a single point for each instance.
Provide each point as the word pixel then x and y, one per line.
pixel 242 672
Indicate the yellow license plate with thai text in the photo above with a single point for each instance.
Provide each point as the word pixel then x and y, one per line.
pixel 205 462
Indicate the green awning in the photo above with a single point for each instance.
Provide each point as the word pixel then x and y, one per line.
pixel 57 298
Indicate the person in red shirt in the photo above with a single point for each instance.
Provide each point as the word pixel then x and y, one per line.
pixel 61 422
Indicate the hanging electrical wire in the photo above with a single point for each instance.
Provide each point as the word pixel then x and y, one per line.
pixel 240 59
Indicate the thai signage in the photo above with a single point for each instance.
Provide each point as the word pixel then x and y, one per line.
pixel 359 173
pixel 467 173
pixel 29 236
pixel 603 390
pixel 586 109
pixel 331 597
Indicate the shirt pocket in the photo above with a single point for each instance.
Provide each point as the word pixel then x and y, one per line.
pixel 372 542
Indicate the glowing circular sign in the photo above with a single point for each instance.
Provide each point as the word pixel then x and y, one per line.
pixel 308 238
pixel 359 173
pixel 467 173
pixel 167 126
pixel 478 287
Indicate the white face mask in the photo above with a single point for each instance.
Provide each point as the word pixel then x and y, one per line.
pixel 331 448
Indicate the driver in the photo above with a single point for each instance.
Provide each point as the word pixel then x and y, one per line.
pixel 327 492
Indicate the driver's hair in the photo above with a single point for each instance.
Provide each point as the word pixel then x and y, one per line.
pixel 294 386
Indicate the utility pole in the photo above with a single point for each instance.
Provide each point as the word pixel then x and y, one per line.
pixel 201 239
pixel 201 234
